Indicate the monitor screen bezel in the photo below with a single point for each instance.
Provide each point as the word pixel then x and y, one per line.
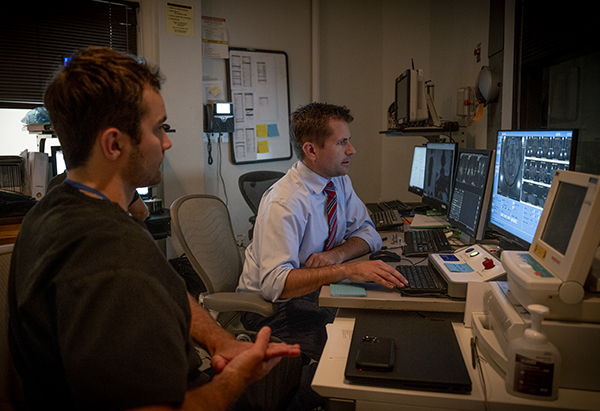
pixel 403 82
pixel 433 202
pixel 413 188
pixel 513 237
pixel 482 216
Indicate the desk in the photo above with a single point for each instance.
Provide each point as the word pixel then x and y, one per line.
pixel 9 229
pixel 382 298
pixel 329 382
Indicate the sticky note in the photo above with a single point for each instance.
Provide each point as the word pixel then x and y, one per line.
pixel 273 130
pixel 346 290
pixel 262 147
pixel 214 90
pixel 261 130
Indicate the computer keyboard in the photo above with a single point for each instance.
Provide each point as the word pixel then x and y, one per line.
pixel 395 205
pixel 421 243
pixel 403 208
pixel 422 279
pixel 387 220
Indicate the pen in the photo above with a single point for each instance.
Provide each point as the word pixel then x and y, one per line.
pixel 390 247
pixel 383 238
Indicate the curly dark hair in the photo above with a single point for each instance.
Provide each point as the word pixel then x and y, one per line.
pixel 97 89
pixel 311 123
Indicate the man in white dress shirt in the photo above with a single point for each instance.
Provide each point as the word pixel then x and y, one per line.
pixel 290 257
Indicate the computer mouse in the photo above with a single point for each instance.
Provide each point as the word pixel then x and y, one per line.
pixel 386 256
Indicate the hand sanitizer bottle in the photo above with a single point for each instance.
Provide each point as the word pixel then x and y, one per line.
pixel 533 362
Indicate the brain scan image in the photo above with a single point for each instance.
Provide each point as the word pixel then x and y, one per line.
pixel 511 168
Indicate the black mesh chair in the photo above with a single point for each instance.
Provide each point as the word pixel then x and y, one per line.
pixel 253 185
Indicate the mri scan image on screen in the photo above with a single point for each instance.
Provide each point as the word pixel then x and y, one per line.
pixel 525 165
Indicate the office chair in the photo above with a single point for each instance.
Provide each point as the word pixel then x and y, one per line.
pixel 202 226
pixel 11 389
pixel 253 185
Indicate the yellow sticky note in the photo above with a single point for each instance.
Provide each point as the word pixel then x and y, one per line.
pixel 262 147
pixel 214 90
pixel 261 130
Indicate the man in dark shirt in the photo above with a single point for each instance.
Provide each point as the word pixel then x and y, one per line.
pixel 98 318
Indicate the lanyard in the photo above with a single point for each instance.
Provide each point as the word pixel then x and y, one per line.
pixel 86 188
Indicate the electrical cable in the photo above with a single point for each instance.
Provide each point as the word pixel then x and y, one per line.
pixel 220 158
pixel 209 146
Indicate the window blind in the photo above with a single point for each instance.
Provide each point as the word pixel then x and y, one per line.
pixel 34 42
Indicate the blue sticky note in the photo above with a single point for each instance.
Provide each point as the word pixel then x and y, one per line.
pixel 449 257
pixel 346 290
pixel 459 268
pixel 272 130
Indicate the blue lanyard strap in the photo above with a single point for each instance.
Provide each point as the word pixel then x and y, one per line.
pixel 83 187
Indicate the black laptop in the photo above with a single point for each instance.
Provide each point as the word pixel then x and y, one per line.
pixel 426 355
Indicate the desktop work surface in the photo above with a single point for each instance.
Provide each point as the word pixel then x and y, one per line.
pixel 381 298
pixel 378 297
pixel 329 381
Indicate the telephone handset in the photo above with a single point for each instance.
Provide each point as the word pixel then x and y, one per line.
pixel 218 118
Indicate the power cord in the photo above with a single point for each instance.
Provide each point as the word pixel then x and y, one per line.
pixel 209 146
pixel 220 158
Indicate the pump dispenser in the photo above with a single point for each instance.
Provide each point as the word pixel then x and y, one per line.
pixel 533 362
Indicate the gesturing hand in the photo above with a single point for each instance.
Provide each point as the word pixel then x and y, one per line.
pixel 268 352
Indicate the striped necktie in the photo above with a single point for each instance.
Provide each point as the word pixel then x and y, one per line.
pixel 331 215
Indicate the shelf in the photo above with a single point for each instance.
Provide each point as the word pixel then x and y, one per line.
pixel 431 133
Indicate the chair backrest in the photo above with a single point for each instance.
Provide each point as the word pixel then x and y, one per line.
pixel 11 389
pixel 255 183
pixel 202 226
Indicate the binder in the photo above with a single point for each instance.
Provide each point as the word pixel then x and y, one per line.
pixel 427 354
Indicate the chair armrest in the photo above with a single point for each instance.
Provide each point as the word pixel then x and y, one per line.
pixel 225 302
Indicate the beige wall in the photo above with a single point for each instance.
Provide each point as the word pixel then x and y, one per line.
pixel 364 46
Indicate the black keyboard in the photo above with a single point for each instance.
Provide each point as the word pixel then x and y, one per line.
pixel 421 243
pixel 403 208
pixel 387 220
pixel 422 279
pixel 395 205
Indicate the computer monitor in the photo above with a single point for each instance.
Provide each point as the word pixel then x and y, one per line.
pixel 58 161
pixel 146 192
pixel 524 169
pixel 411 103
pixel 439 175
pixel 554 270
pixel 471 193
pixel 417 170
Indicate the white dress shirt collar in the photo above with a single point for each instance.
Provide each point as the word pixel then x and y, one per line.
pixel 312 180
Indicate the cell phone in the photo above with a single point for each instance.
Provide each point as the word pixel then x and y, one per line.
pixel 375 354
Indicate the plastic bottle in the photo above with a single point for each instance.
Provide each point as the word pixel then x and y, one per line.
pixel 533 362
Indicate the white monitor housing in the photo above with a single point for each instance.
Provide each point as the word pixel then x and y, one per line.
pixel 417 171
pixel 554 270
